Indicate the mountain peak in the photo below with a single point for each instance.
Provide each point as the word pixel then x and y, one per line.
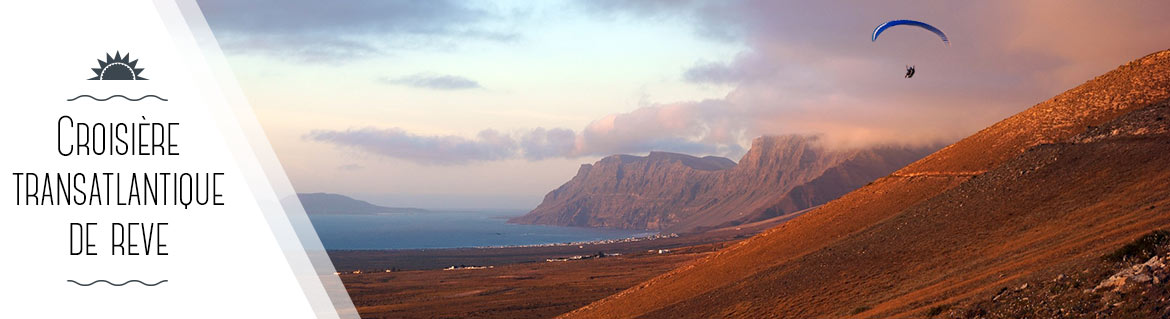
pixel 707 163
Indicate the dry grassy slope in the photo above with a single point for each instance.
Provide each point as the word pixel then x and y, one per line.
pixel 1012 223
pixel 896 244
pixel 1132 85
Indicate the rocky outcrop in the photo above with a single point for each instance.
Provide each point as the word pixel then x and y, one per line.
pixel 1154 271
pixel 676 192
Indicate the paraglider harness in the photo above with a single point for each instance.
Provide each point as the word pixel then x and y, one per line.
pixel 909 72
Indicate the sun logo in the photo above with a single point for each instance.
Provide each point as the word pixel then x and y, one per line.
pixel 117 68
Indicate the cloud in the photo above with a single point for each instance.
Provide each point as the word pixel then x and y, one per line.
pixel 600 138
pixel 543 143
pixel 351 167
pixel 697 12
pixel 488 145
pixel 433 81
pixel 810 68
pixel 336 32
pixel 696 128
pixel 310 48
pixel 747 68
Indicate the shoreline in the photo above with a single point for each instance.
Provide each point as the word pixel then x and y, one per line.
pixel 346 261
pixel 654 236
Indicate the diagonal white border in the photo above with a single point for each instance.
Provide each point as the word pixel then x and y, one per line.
pixel 290 225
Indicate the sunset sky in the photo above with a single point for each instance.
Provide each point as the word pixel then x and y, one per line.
pixel 490 105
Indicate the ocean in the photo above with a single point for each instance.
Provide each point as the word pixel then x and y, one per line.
pixel 448 230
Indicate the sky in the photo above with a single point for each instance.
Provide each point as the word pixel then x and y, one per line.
pixel 491 104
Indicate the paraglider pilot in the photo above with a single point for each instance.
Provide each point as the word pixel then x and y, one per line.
pixel 882 27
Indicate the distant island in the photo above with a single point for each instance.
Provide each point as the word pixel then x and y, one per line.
pixel 336 204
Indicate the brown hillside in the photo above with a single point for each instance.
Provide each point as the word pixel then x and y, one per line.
pixel 1047 190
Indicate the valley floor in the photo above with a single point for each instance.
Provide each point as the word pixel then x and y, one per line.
pixel 515 282
pixel 526 290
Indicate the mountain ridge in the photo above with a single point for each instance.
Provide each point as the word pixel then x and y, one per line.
pixel 682 193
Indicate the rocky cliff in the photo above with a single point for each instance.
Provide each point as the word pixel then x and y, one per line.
pixel 676 192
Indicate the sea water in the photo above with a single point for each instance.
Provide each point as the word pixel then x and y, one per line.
pixel 448 230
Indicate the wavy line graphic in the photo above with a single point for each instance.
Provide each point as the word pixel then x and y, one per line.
pixel 118 95
pixel 118 285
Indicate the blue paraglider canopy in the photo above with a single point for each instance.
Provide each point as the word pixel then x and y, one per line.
pixel 878 31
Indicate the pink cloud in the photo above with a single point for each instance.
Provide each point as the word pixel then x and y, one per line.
pixel 810 68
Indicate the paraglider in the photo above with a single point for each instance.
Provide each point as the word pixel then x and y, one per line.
pixel 882 28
